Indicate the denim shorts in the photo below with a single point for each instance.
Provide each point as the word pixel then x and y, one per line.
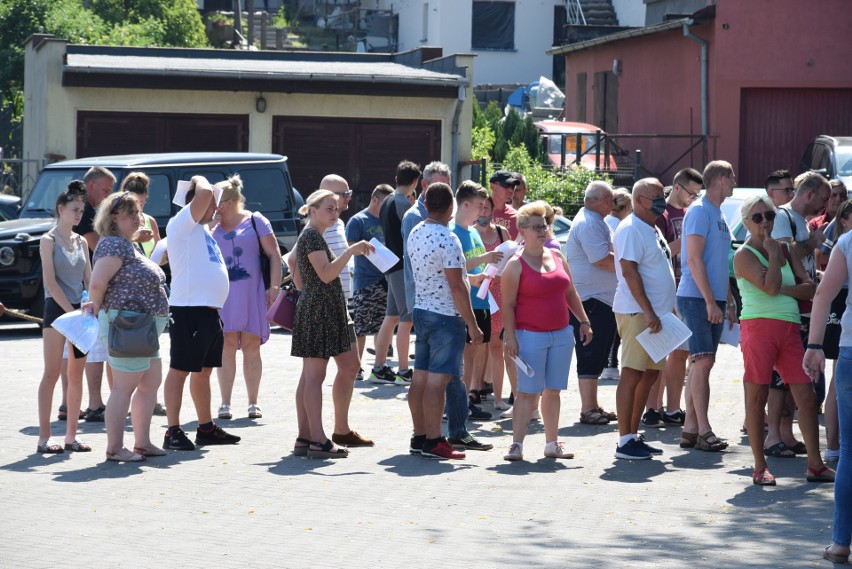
pixel 440 342
pixel 705 336
pixel 549 356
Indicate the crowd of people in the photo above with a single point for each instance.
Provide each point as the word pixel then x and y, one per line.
pixel 635 260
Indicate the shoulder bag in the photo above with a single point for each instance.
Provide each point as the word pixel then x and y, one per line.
pixel 133 334
pixel 265 267
pixel 283 310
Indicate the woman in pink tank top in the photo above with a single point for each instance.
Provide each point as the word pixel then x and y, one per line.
pixel 537 296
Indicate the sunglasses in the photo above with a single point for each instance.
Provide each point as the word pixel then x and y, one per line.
pixel 538 228
pixel 346 194
pixel 759 217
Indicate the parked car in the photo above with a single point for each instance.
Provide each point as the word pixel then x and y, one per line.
pixel 831 156
pixel 266 179
pixel 10 207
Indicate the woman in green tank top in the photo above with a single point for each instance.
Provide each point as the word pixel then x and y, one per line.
pixel 770 336
pixel 149 233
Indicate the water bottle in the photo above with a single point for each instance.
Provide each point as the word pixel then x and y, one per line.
pixel 83 300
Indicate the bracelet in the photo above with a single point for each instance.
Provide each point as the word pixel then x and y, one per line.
pixel 814 346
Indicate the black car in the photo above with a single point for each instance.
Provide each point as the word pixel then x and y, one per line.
pixel 10 207
pixel 266 183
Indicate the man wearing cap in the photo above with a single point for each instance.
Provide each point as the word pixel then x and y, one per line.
pixel 503 185
pixel 199 289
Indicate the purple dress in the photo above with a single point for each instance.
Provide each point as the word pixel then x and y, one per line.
pixel 245 308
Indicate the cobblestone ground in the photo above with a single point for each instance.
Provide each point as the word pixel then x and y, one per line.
pixel 255 505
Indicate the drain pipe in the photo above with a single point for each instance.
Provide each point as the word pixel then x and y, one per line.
pixel 456 135
pixel 704 94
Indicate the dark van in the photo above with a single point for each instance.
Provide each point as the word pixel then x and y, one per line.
pixel 267 189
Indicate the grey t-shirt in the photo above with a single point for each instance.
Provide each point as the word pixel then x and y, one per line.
pixel 589 241
pixel 69 266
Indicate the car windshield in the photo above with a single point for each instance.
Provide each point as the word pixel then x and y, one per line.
pixel 41 202
pixel 844 161
pixel 555 146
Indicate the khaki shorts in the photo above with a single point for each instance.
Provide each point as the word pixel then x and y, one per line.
pixel 633 355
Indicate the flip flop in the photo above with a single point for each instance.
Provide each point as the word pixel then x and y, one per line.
pixel 779 450
pixel 824 474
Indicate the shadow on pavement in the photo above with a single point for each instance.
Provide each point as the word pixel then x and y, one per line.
pixel 540 466
pixel 292 465
pixel 112 470
pixel 634 471
pixel 34 461
pixel 408 465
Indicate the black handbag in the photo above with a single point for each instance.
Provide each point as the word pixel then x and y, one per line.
pixel 265 266
pixel 133 334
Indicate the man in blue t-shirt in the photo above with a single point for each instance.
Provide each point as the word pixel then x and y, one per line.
pixel 704 298
pixel 469 199
pixel 370 295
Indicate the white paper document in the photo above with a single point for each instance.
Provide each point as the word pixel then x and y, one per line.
pixel 730 336
pixel 523 365
pixel 159 251
pixel 182 189
pixel 668 339
pixel 492 304
pixel 382 257
pixel 80 328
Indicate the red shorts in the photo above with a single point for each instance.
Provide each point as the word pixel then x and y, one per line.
pixel 767 343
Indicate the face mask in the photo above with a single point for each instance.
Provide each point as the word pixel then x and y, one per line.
pixel 484 220
pixel 659 206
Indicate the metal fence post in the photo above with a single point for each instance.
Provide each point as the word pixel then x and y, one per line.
pixel 637 166
pixel 482 171
pixel 597 151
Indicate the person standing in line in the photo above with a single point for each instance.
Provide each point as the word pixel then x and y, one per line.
pixel 686 187
pixel 442 309
pixel 538 298
pixel 519 195
pixel 622 206
pixel 66 272
pixel 589 254
pixel 397 314
pixel 837 275
pixel 646 292
pixel 322 329
pixel 370 295
pixel 503 185
pixel 199 289
pixel 243 237
pixel 704 299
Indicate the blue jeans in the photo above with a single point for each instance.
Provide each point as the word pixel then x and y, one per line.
pixel 843 480
pixel 705 336
pixel 456 408
pixel 440 342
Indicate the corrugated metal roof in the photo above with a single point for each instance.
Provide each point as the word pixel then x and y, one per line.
pixel 228 68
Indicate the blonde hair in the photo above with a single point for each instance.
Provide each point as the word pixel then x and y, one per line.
pixel 621 199
pixel 105 224
pixel 315 199
pixel 748 205
pixel 136 182
pixel 534 209
pixel 232 190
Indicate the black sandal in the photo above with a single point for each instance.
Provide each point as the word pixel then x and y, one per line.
pixel 301 447
pixel 77 446
pixel 95 415
pixel 325 450
pixel 47 448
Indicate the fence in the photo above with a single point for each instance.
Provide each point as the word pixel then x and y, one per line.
pixel 18 175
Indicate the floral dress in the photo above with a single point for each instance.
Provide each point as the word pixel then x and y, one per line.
pixel 321 328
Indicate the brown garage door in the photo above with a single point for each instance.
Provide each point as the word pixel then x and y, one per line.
pixel 365 152
pixel 104 134
pixel 777 124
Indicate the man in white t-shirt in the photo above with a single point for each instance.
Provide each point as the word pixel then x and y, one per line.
pixel 645 292
pixel 441 310
pixel 199 289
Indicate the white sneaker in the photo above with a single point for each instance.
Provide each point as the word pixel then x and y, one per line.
pixel 516 452
pixel 225 412
pixel 610 373
pixel 556 449
pixel 507 414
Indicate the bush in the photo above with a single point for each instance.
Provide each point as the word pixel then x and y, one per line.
pixel 563 188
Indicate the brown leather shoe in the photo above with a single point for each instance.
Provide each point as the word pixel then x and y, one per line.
pixel 351 439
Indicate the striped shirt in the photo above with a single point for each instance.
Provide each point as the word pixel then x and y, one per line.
pixel 335 236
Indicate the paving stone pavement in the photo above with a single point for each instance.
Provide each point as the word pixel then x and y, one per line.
pixel 255 505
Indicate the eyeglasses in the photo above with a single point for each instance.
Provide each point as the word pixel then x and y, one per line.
pixel 117 202
pixel 692 195
pixel 788 190
pixel 758 217
pixel 346 194
pixel 538 228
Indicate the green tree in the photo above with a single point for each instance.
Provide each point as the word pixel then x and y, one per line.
pixel 170 22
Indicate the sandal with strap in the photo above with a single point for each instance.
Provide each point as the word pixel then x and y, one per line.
pixel 779 450
pixel 593 417
pixel 824 474
pixel 709 442
pixel 835 557
pixel 254 411
pixel 47 448
pixel 326 450
pixel 301 447
pixel 688 440
pixel 762 477
pixel 608 414
pixel 77 446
